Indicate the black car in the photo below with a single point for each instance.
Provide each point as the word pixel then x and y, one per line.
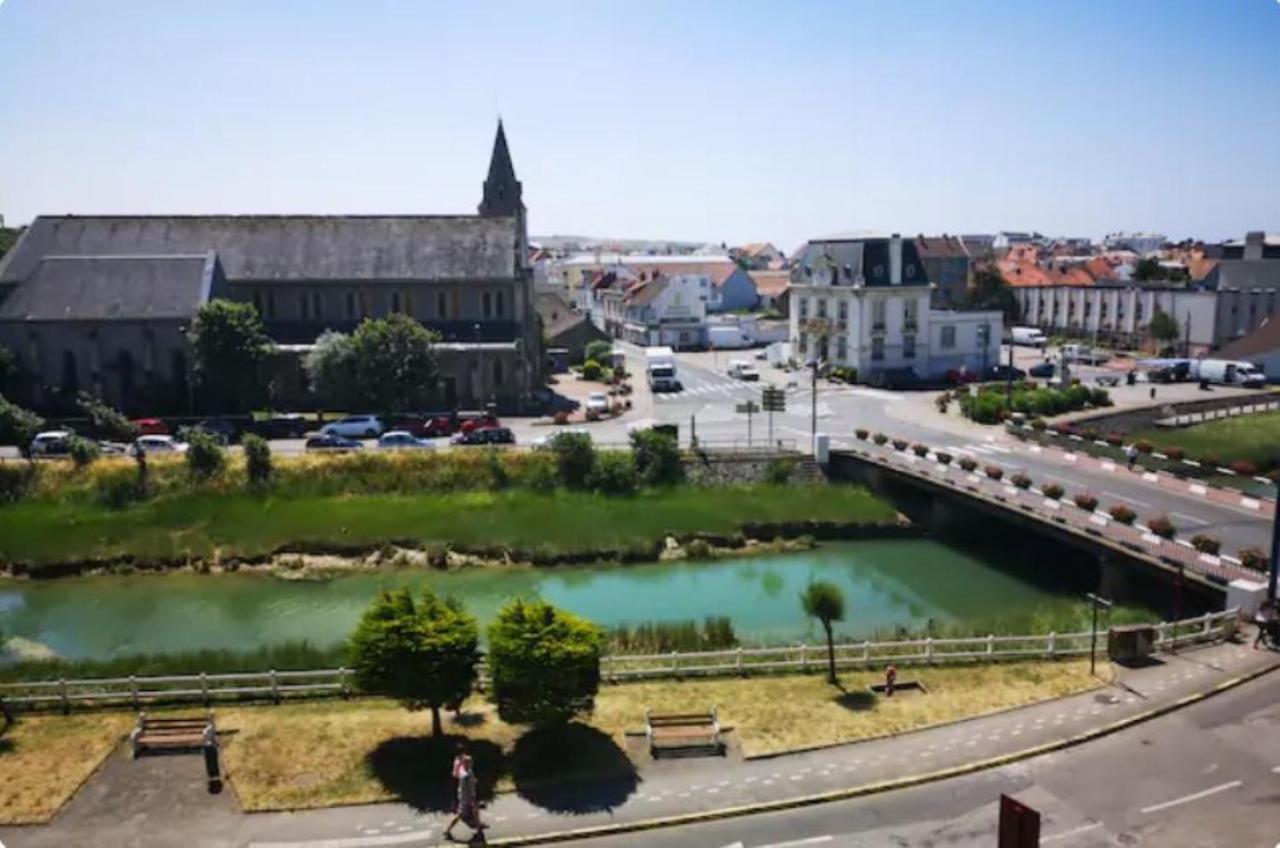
pixel 330 442
pixel 1043 370
pixel 220 428
pixel 486 436
pixel 290 426
pixel 1005 372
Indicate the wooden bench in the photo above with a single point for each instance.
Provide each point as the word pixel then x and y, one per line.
pixel 172 734
pixel 681 733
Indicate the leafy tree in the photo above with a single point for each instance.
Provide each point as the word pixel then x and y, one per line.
pixel 8 237
pixel 257 459
pixel 424 654
pixel 825 602
pixel 657 457
pixel 575 459
pixel 1163 326
pixel 83 451
pixel 545 663
pixel 205 456
pixel 386 365
pixel 1147 268
pixel 330 369
pixel 18 426
pixel 592 370
pixel 990 291
pixel 228 345
pixel 107 421
pixel 614 473
pixel 599 350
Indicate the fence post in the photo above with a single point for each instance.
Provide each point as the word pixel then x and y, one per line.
pixel 991 644
pixel 1161 632
pixel 1205 627
pixel 204 687
pixel 675 660
pixel 133 690
pixel 866 651
pixel 739 659
pixel 928 649
pixel 804 658
pixel 66 701
pixel 1053 638
pixel 342 682
pixel 275 686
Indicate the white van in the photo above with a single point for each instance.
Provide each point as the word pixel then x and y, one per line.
pixel 1029 337
pixel 741 369
pixel 1083 353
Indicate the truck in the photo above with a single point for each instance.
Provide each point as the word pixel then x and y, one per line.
pixel 1228 373
pixel 660 366
pixel 1084 353
pixel 1028 337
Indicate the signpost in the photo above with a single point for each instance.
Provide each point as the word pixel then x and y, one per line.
pixel 749 408
pixel 773 399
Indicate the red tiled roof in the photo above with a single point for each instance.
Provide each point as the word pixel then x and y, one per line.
pixel 770 283
pixel 717 271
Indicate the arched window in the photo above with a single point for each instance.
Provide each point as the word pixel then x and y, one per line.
pixel 70 373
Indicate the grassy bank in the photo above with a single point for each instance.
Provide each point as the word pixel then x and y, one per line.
pixel 240 524
pixel 1248 438
pixel 43 759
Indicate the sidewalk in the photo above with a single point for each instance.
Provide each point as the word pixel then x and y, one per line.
pixel 683 788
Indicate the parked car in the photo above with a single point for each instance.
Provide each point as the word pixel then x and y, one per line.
pixel 51 443
pixel 486 436
pixel 424 426
pixel 960 376
pixel 151 427
pixel 331 442
pixel 1043 370
pixel 477 421
pixel 293 425
pixel 402 440
pixel 220 428
pixel 355 427
pixel 113 448
pixel 1005 372
pixel 597 402
pixel 158 444
pixel 545 442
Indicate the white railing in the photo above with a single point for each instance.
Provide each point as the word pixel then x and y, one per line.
pixel 279 685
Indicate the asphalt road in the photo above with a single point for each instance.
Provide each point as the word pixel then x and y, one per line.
pixel 1207 775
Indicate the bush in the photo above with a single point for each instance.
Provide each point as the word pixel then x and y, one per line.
pixel 900 444
pixel 1244 468
pixel 1206 544
pixel 1175 453
pixel 257 459
pixel 1254 558
pixel 1143 446
pixel 941 402
pixel 1161 526
pixel 779 470
pixel 943 457
pixel 16 480
pixel 117 488
pixel 879 438
pixel 1212 460
pixel 861 433
pixel 657 458
pixel 1038 424
pixel 1086 501
pixel 995 472
pixel 105 420
pixel 920 450
pixel 1123 514
pixel 18 426
pixel 698 549
pixel 83 451
pixel 1052 491
pixel 592 370
pixel 1114 439
pixel 545 663
pixel 968 464
pixel 614 473
pixel 598 351
pixel 1089 434
pixel 205 456
pixel 1021 480
pixel 1099 397
pixel 575 459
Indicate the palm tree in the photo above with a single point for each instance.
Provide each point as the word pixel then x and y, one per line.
pixel 825 602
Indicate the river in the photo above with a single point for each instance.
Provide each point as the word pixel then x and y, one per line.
pixel 887 584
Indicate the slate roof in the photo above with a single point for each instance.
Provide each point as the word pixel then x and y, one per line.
pixel 1249 273
pixel 105 288
pixel 940 247
pixel 1263 340
pixel 286 247
pixel 643 294
pixel 859 256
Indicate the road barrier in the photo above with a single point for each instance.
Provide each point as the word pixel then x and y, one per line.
pixel 139 691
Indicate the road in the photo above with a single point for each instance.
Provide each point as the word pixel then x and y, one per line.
pixel 1207 775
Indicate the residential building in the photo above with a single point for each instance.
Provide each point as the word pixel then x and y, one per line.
pixel 979 245
pixel 1254 246
pixel 1261 347
pixel 732 287
pixel 1006 239
pixel 862 302
pixel 665 310
pixel 758 256
pixel 101 302
pixel 947 265
pixel 772 288
pixel 564 327
pixel 1140 243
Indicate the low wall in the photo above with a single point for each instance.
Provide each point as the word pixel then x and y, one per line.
pixel 1129 420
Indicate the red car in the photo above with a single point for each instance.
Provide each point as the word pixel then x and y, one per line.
pixel 424 427
pixel 151 427
pixel 479 422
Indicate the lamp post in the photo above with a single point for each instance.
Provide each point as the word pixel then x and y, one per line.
pixel 813 407
pixel 1274 571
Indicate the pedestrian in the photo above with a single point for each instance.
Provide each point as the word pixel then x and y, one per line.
pixel 1265 619
pixel 890 677
pixel 1153 392
pixel 1131 455
pixel 467 809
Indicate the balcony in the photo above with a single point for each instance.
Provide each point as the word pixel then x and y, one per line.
pixel 877 326
pixel 910 325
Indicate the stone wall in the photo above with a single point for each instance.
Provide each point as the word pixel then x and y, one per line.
pixel 1128 420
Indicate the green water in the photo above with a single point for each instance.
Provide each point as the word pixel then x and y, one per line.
pixel 886 585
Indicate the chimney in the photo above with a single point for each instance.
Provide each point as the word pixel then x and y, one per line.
pixel 1253 244
pixel 895 259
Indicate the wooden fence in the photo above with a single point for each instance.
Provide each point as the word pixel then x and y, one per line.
pixel 276 686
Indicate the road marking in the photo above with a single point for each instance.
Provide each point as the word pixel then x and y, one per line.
pixel 1198 521
pixel 1084 828
pixel 1155 808
pixel 1133 501
pixel 351 842
pixel 796 843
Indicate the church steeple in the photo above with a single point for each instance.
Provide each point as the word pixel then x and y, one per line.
pixel 502 191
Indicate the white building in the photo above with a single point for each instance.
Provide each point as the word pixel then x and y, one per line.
pixel 659 310
pixel 863 302
pixel 1140 243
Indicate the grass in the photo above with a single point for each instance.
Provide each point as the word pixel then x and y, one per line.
pixel 1252 438
pixel 329 753
pixel 44 759
pixel 243 524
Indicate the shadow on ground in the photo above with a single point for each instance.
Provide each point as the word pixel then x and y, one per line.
pixel 858 700
pixel 419 769
pixel 572 769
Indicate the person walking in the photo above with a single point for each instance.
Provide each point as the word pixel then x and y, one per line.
pixel 1265 619
pixel 468 807
pixel 1131 455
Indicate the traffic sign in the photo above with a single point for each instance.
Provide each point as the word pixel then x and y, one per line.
pixel 774 399
pixel 748 408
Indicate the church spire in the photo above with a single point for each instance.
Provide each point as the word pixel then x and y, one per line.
pixel 502 191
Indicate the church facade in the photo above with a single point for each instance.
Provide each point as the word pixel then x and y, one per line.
pixel 101 303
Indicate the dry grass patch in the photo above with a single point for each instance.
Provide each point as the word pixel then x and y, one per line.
pixel 328 753
pixel 45 758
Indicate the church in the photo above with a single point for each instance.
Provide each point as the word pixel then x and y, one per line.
pixel 102 302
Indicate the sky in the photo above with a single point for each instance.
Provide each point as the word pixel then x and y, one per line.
pixel 697 120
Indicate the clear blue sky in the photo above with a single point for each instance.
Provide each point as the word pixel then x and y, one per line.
pixel 727 121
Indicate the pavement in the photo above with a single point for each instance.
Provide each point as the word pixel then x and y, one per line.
pixel 158 801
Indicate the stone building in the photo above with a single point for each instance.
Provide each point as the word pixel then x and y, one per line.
pixel 102 302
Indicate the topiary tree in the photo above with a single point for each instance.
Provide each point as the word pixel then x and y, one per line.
pixel 545 663
pixel 657 457
pixel 575 459
pixel 205 456
pixel 257 459
pixel 825 602
pixel 105 420
pixel 423 654
pixel 18 426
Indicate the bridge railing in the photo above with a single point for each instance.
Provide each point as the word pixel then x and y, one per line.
pixel 140 691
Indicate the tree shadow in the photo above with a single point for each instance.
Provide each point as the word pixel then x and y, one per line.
pixel 419 769
pixel 572 769
pixel 859 700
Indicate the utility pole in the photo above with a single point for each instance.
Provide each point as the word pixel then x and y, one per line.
pixel 1186 336
pixel 1275 550
pixel 813 409
pixel 1008 381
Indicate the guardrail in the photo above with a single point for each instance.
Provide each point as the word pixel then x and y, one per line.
pixel 137 691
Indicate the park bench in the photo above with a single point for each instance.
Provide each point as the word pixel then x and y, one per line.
pixel 683 733
pixel 175 733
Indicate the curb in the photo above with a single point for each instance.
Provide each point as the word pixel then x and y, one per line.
pixel 886 785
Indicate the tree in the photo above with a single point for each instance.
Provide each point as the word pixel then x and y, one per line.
pixel 228 346
pixel 105 420
pixel 990 291
pixel 545 663
pixel 1146 269
pixel 599 350
pixel 423 654
pixel 18 426
pixel 575 458
pixel 825 602
pixel 257 459
pixel 386 365
pixel 657 457
pixel 1163 326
